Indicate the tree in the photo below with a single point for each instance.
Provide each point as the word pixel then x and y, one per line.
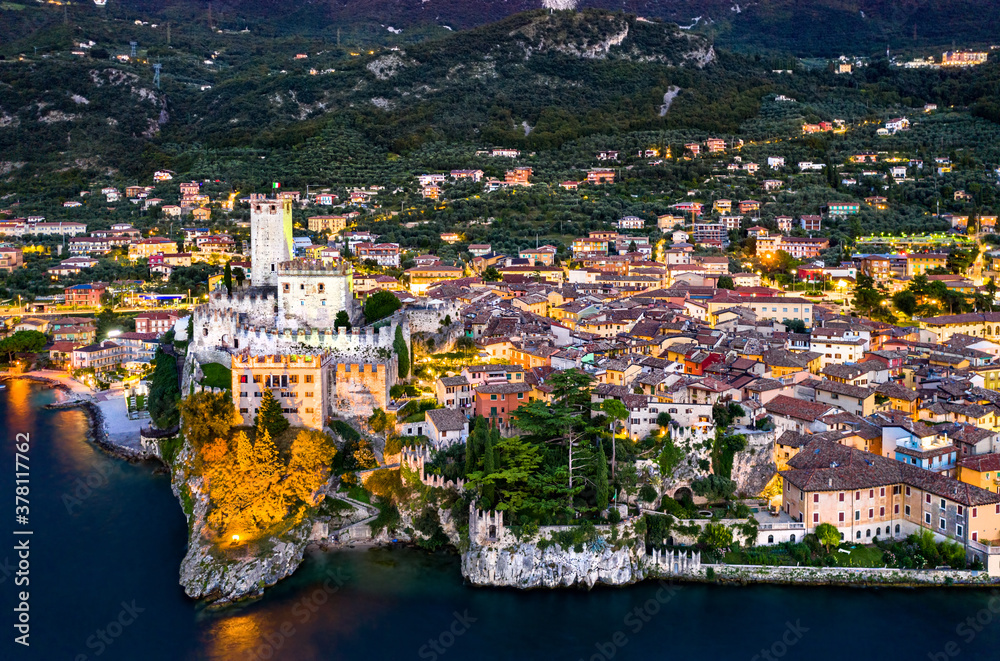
pixel 402 353
pixel 380 305
pixel 378 421
pixel 716 536
pixel 794 325
pixel 489 467
pixel 726 282
pixel 206 416
pixel 309 466
pixel 240 275
pixel 23 341
pixel 227 277
pixel 491 275
pixel 265 454
pixel 269 416
pixel 615 411
pixel 828 535
pixel 244 451
pixel 164 391
pixel 342 320
pixel 601 478
pixel 905 302
pixel 669 458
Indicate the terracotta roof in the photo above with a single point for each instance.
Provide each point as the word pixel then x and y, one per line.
pixel 796 408
pixel 824 465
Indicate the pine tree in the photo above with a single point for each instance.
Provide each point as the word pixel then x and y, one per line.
pixel 269 416
pixel 601 478
pixel 265 454
pixel 244 451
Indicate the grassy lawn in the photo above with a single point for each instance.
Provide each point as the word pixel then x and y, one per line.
pixel 217 376
pixel 860 556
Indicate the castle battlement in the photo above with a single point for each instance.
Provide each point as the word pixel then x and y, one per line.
pixel 485 526
pixel 415 459
pixel 311 267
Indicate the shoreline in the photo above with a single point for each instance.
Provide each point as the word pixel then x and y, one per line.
pixel 96 432
pixel 725 575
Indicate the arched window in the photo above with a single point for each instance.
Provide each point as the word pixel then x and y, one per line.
pixel 770 539
pixel 897 528
pixel 878 532
pixel 792 539
pixel 868 533
pixel 859 535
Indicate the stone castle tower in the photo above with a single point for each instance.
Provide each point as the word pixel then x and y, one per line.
pixel 270 239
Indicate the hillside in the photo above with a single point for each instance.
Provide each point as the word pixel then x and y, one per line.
pixel 804 27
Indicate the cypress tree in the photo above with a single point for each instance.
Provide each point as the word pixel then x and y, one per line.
pixel 473 446
pixel 402 353
pixel 489 467
pixel 265 454
pixel 601 478
pixel 244 451
pixel 164 392
pixel 227 278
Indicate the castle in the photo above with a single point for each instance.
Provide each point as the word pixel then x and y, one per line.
pixel 269 331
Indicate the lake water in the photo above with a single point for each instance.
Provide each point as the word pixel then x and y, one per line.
pixel 104 562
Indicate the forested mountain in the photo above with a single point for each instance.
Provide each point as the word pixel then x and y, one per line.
pixel 246 103
pixel 804 27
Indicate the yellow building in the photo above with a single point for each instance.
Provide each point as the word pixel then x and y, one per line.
pixel 299 383
pixel 332 224
pixel 982 471
pixel 976 324
pixel 422 277
pixel 153 246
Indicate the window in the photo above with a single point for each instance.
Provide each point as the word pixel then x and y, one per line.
pixel 815 497
pixel 841 496
pixel 927 518
pixel 520 395
pixel 294 378
pixel 244 410
pixel 942 503
pixel 906 510
pixel 871 512
pixel 857 495
pixel 815 517
pixel 309 394
pixel 975 512
pixel 321 288
pixel 857 515
pixel 961 510
pixel 881 492
pixel 942 524
pixel 895 490
pixel 907 491
pixel 493 397
pixel 881 511
pixel 256 378
pixel 286 287
pixel 858 536
pixel 309 378
pixel 871 493
pixel 927 498
pixel 840 517
pixel 959 530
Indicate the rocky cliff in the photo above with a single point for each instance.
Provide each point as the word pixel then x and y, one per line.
pixel 229 575
pixel 528 566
